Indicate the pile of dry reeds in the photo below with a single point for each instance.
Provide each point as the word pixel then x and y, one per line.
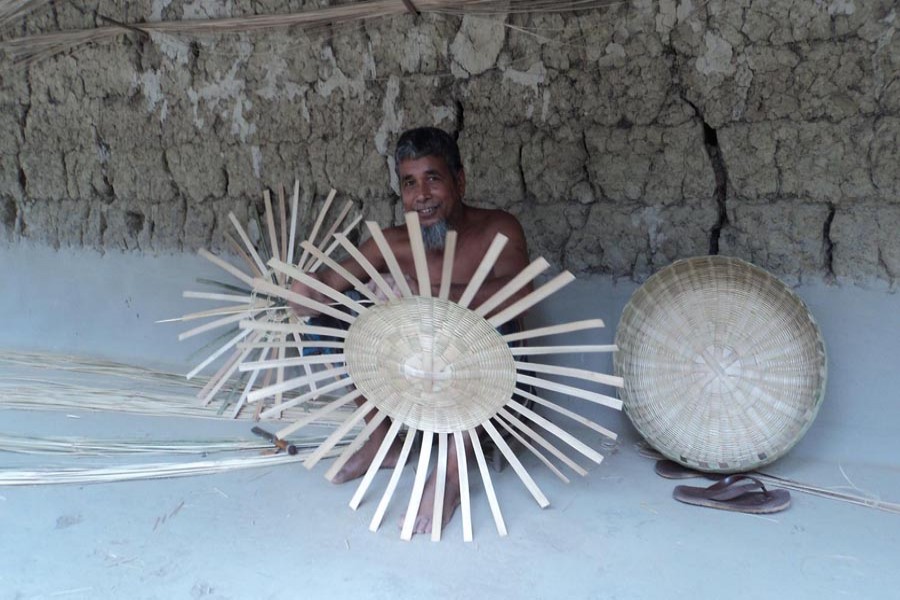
pixel 27 50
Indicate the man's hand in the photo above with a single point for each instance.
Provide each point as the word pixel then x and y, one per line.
pixel 304 290
pixel 382 297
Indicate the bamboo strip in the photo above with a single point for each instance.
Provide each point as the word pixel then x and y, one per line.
pixel 143 471
pixel 270 225
pixel 299 361
pixel 514 462
pixel 340 218
pixel 389 258
pixel 295 206
pixel 488 484
pixel 225 347
pixel 217 323
pixel 377 461
pixel 483 270
pixel 317 285
pixel 567 413
pixel 517 308
pixel 229 268
pixel 562 434
pixel 357 284
pixel 584 374
pixel 339 433
pixel 415 498
pixel 316 415
pixel 279 378
pixel 242 400
pixel 220 297
pixel 282 223
pixel 242 254
pixel 223 378
pixel 274 345
pixel 540 455
pixel 513 286
pixel 247 243
pixel 275 290
pixel 554 329
pixel 334 243
pixel 216 312
pixel 313 393
pixel 355 445
pixel 392 483
pixel 570 390
pixel 292 384
pixel 417 246
pixel 440 485
pixel 535 350
pixel 541 441
pixel 367 266
pixel 293 328
pixel 465 501
pixel 447 267
pixel 318 223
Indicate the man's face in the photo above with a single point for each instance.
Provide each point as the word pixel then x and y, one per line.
pixel 429 187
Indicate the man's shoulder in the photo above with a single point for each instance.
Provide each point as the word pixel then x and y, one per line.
pixel 495 220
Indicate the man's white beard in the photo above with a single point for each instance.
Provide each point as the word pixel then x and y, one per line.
pixel 434 236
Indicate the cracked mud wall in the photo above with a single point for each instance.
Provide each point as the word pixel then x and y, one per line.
pixel 623 138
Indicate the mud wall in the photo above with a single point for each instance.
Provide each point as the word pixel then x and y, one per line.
pixel 623 137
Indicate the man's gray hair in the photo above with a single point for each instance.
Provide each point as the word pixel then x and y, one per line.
pixel 427 141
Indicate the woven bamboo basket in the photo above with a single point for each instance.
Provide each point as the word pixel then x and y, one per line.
pixel 724 366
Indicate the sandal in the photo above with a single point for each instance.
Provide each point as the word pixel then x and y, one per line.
pixel 735 494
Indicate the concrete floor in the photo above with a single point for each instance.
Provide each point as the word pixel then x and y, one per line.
pixel 284 532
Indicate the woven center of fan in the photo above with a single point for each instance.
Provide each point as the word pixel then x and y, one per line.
pixel 430 363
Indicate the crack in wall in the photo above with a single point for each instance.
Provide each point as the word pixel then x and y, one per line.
pixel 711 144
pixel 460 119
pixel 828 245
pixel 522 172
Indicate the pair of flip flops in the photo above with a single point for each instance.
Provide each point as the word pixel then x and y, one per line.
pixel 738 492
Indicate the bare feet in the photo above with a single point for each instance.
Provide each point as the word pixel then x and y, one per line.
pixel 362 458
pixel 426 508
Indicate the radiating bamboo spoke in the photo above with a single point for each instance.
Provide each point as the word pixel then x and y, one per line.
pixel 326 410
pixel 313 393
pixel 338 434
pixel 390 260
pixel 315 359
pixel 340 218
pixel 483 270
pixel 367 266
pixel 571 391
pixel 317 285
pixel 292 384
pixel 415 498
pixel 357 284
pixel 515 285
pixel 333 245
pixel 541 441
pixel 212 357
pixel 315 230
pixel 583 374
pixel 535 350
pixel 554 330
pixel 251 249
pixel 510 456
pixel 440 486
pixel 517 308
pixel 377 461
pixel 567 413
pixel 420 260
pixel 465 501
pixel 565 436
pixel 392 483
pixel 355 445
pixel 447 267
pixel 488 484
pixel 540 455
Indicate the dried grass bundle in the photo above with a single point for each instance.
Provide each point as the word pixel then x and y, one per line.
pixel 28 50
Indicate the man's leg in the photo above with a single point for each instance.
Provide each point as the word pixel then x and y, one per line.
pixel 451 488
pixel 362 458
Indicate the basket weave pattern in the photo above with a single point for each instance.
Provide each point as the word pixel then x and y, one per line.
pixel 724 366
pixel 430 363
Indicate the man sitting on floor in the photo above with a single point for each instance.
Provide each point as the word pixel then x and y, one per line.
pixel 433 184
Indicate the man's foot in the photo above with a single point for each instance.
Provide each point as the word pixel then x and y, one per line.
pixel 426 508
pixel 362 458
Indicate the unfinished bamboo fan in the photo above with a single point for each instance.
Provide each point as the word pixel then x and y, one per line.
pixel 441 368
pixel 240 303
pixel 724 366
